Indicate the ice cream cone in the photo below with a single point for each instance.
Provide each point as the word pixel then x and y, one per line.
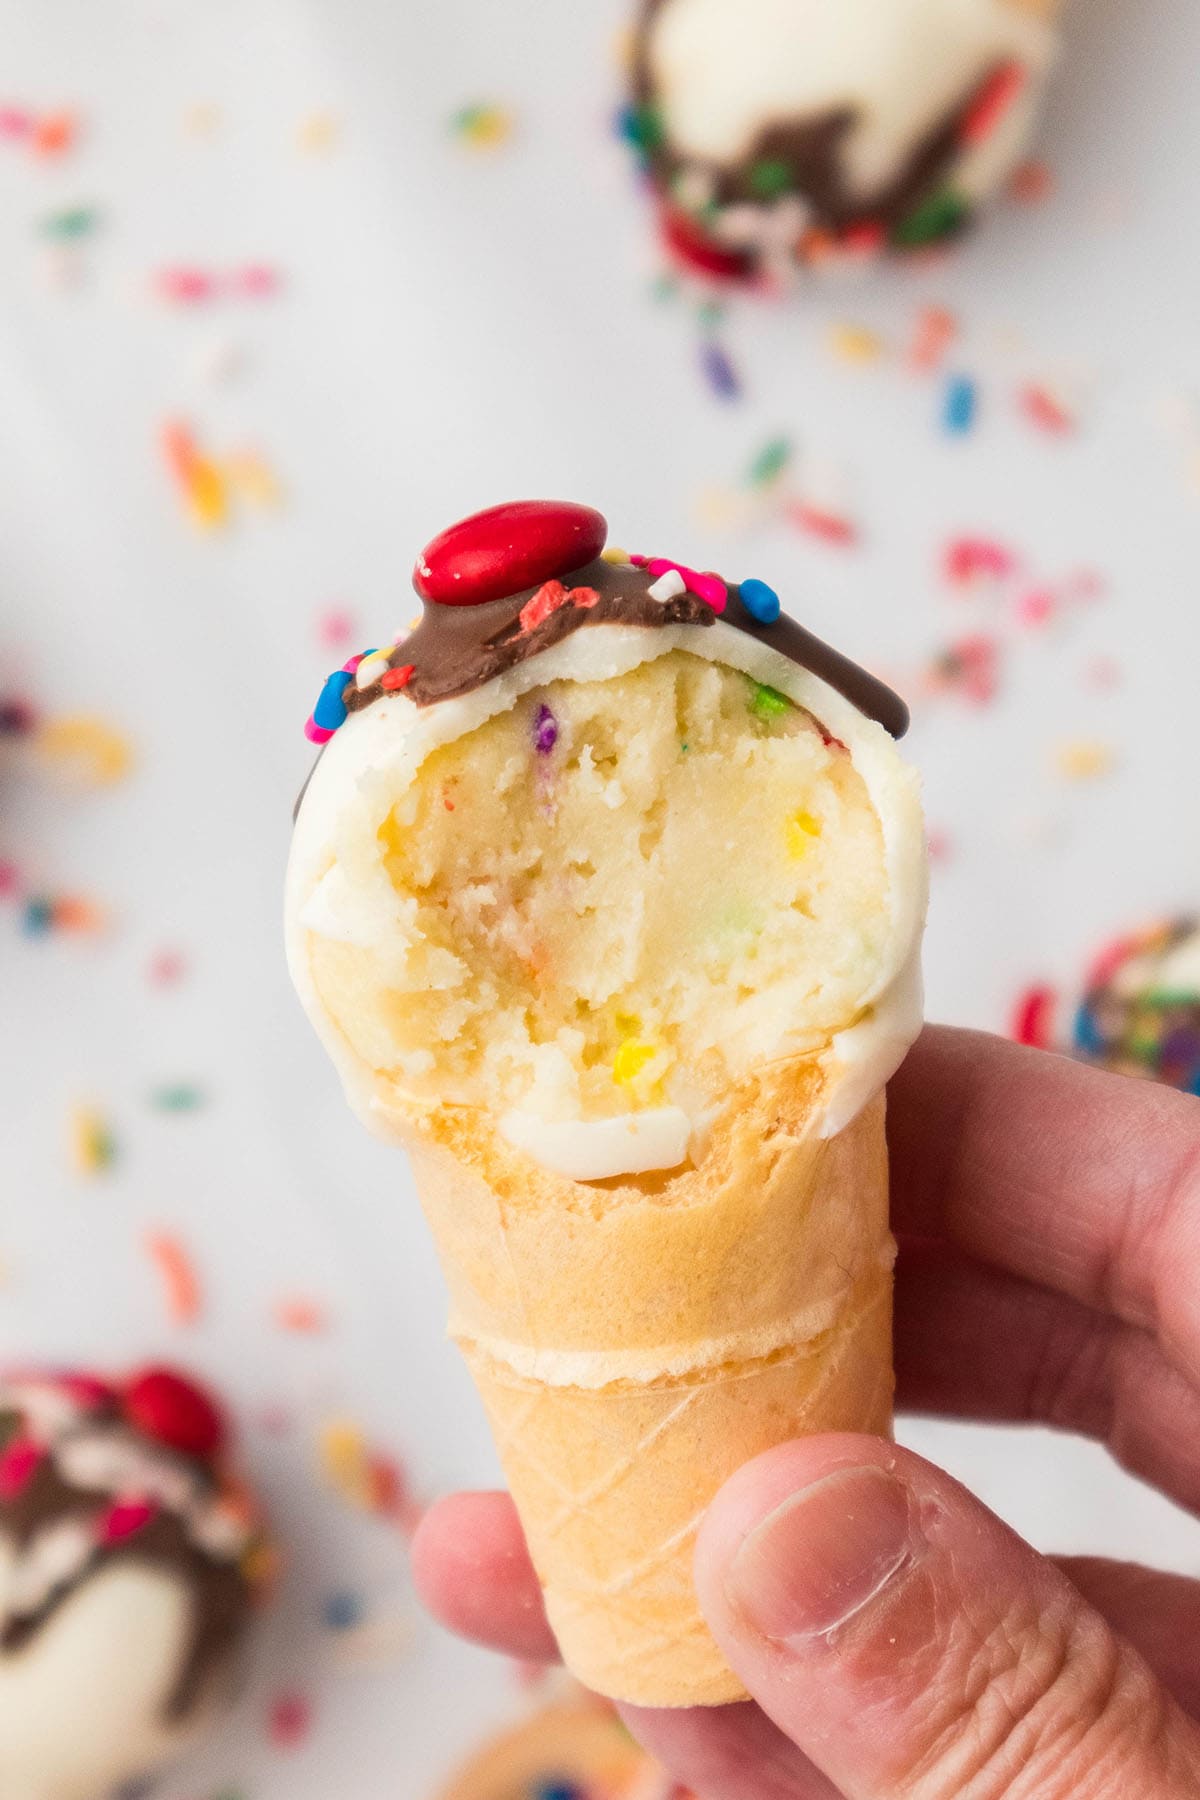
pixel 633 1352
pixel 621 941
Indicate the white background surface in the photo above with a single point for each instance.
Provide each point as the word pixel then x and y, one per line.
pixel 454 330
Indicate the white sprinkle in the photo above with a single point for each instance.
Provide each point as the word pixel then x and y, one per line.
pixel 369 669
pixel 668 586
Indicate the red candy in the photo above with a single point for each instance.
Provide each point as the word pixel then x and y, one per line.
pixel 688 244
pixel 508 548
pixel 174 1412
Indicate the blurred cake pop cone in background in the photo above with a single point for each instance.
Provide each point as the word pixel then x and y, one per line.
pixel 778 134
pixel 130 1563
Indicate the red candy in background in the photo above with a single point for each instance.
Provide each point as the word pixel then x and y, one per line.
pixel 506 549
pixel 175 1412
pixel 684 239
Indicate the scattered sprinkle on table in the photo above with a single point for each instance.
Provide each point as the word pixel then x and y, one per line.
pixel 960 405
pixel 719 373
pixel 84 749
pixel 1046 410
pixel 300 1314
pixel 1033 1017
pixel 935 330
pixel 92 1145
pixel 1085 759
pixel 177 1272
pixel 177 1097
pixel 852 343
pixel 483 125
pixel 289 1721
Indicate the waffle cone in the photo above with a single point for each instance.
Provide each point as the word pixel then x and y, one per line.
pixel 636 1341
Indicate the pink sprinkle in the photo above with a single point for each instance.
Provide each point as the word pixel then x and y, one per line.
pixel 832 528
pixel 352 663
pixel 549 597
pixel 1103 673
pixel 1042 409
pixel 10 879
pixel 335 628
pixel 256 281
pixel 585 598
pixel 14 123
pixel 966 559
pixel 18 1465
pixel 941 845
pixel 124 1519
pixel 706 586
pixel 316 734
pixel 991 103
pixel 289 1721
pixel 1037 607
pixel 166 968
pixel 185 286
pixel 1033 1017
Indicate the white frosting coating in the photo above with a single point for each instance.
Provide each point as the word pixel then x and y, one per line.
pixel 591 1149
pixel 724 69
pixel 83 1704
pixel 332 890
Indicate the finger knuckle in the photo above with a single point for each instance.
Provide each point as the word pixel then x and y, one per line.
pixel 1041 1705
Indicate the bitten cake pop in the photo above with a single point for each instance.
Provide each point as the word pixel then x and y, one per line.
pixel 606 899
pixel 130 1561
pixel 786 132
pixel 1140 1013
pixel 572 1749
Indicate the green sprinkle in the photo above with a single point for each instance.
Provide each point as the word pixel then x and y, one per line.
pixel 642 126
pixel 177 1098
pixel 72 222
pixel 683 747
pixel 769 179
pixel 940 216
pixel 710 314
pixel 770 462
pixel 767 703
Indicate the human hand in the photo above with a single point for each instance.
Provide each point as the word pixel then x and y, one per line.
pixel 899 1641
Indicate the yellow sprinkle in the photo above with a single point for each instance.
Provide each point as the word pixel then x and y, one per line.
pixel 253 478
pixel 318 132
pixel 855 344
pixel 1085 759
pixel 91 1142
pixel 484 127
pixel 612 553
pixel 202 119
pixel 345 1460
pixel 801 830
pixel 630 1060
pixel 205 492
pixel 84 749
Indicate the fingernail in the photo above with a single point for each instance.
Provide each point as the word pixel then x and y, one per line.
pixel 823 1555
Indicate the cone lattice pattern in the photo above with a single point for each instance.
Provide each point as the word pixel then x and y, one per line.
pixel 636 1344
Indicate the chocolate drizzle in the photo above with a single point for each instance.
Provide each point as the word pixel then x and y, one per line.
pixel 217 1590
pixel 805 158
pixel 456 649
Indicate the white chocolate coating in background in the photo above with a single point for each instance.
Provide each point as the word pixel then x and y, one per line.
pixel 377 753
pixel 724 69
pixel 82 1705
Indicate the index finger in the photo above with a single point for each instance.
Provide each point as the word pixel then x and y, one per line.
pixel 1080 1181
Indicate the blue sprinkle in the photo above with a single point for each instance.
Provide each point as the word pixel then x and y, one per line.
pixel 959 405
pixel 343 1609
pixel 718 371
pixel 760 601
pixel 330 710
pixel 1088 1036
pixel 37 917
pixel 558 1790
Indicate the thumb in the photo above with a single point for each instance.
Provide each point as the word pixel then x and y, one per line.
pixel 912 1645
